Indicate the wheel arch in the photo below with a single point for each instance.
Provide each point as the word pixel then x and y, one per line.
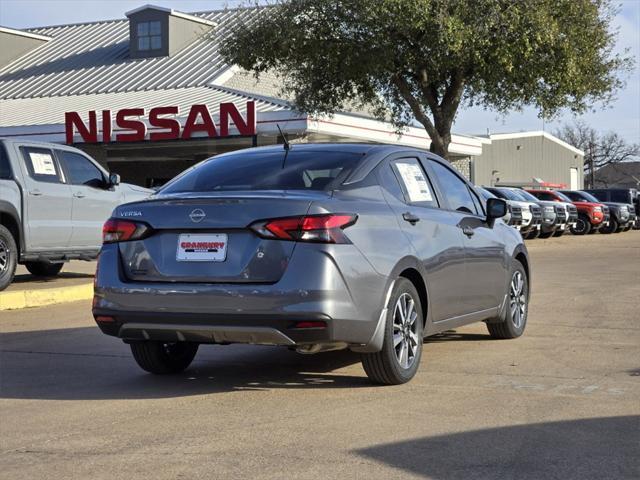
pixel 411 269
pixel 522 256
pixel 9 219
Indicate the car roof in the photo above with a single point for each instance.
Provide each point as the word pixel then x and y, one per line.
pixel 361 148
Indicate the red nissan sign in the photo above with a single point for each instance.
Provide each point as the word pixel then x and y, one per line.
pixel 162 124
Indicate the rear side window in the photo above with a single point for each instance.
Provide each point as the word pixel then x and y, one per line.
pixel 454 188
pixel 622 197
pixel 81 170
pixel 301 170
pixel 5 168
pixel 41 165
pixel 416 187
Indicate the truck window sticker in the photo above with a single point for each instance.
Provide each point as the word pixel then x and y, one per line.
pixel 415 182
pixel 42 164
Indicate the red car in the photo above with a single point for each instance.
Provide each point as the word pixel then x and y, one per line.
pixel 591 216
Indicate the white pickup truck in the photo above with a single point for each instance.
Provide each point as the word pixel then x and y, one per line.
pixel 54 200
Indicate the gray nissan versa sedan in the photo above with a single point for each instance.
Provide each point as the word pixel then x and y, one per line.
pixel 317 247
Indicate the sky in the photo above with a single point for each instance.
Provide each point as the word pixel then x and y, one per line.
pixel 622 116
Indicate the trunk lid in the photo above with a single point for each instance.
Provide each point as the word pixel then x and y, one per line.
pixel 205 238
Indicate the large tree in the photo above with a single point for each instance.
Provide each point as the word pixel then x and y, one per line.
pixel 421 59
pixel 600 148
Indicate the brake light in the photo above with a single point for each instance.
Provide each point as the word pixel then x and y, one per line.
pixel 310 228
pixel 116 230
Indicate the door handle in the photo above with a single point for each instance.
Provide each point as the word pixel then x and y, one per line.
pixel 79 195
pixel 411 218
pixel 468 231
pixel 35 193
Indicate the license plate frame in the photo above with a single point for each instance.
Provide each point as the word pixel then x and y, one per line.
pixel 202 247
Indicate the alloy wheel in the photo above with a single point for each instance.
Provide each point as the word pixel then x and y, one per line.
pixel 581 226
pixel 4 256
pixel 405 331
pixel 517 300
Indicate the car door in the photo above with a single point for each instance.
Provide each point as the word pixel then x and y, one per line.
pixel 433 233
pixel 485 273
pixel 47 200
pixel 93 200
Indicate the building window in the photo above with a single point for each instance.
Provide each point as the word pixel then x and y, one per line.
pixel 149 36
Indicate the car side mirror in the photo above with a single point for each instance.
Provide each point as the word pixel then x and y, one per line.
pixel 114 180
pixel 496 208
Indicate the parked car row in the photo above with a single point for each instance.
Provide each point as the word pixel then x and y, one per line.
pixel 545 213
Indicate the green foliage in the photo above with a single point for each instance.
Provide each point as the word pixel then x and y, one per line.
pixel 421 58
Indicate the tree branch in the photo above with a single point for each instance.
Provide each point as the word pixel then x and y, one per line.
pixel 405 90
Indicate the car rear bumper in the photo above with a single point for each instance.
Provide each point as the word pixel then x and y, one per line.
pixel 251 329
pixel 312 289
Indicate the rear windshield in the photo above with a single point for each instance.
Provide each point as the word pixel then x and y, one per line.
pixel 266 171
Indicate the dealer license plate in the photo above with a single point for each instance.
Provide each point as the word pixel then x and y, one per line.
pixel 202 247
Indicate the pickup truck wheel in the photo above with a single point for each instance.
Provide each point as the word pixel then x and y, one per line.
pixel 613 226
pixel 559 233
pixel 164 358
pixel 43 269
pixel 533 234
pixel 8 257
pixel 582 227
pixel 546 234
pixel 399 359
pixel 514 321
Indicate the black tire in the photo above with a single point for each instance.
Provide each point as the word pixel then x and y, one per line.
pixel 164 358
pixel 44 269
pixel 533 234
pixel 546 234
pixel 8 257
pixel 612 228
pixel 583 226
pixel 559 233
pixel 628 227
pixel 385 367
pixel 514 318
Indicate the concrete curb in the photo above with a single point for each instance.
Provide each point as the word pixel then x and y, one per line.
pixel 46 296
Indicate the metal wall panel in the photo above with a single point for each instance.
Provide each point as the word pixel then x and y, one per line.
pixel 522 159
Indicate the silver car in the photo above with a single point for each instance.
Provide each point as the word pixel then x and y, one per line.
pixel 316 248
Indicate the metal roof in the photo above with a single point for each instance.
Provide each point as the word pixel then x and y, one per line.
pixel 93 58
pixel 50 110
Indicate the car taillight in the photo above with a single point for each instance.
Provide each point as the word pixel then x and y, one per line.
pixel 309 228
pixel 116 230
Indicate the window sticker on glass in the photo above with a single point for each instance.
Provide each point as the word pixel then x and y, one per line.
pixel 42 164
pixel 415 182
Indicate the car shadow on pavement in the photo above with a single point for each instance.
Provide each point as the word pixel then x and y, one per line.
pixel 84 364
pixel 453 335
pixel 594 448
pixel 28 278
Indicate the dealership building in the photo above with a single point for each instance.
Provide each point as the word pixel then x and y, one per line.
pixel 149 95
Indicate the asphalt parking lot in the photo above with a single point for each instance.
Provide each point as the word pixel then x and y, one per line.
pixel 561 402
pixel 76 272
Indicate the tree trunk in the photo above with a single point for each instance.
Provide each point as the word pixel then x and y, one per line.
pixel 440 144
pixel 439 130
